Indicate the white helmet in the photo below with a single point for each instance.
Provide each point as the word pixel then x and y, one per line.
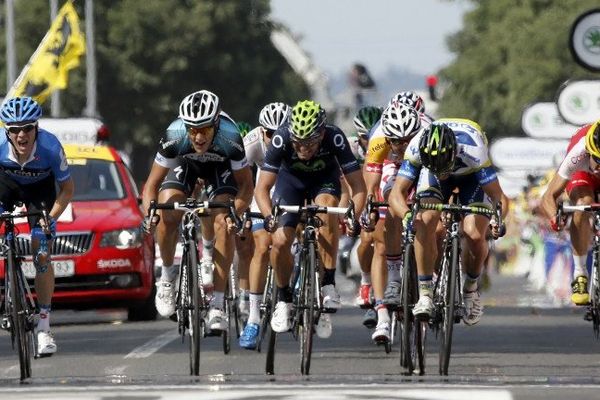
pixel 400 121
pixel 273 115
pixel 200 109
pixel 410 99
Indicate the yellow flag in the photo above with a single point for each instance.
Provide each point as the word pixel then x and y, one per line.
pixel 58 53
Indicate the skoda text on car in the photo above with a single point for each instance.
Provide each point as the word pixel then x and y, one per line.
pixel 101 256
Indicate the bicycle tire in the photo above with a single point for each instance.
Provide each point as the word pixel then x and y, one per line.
pixel 411 326
pixel 270 359
pixel 19 318
pixel 308 308
pixel 449 306
pixel 266 309
pixel 228 302
pixel 595 294
pixel 190 261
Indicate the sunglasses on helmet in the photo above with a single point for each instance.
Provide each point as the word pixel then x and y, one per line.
pixel 16 129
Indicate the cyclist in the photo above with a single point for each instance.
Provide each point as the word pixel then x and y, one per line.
pixel 579 174
pixel 363 121
pixel 204 143
pixel 32 162
pixel 271 117
pixel 451 153
pixel 303 162
pixel 387 144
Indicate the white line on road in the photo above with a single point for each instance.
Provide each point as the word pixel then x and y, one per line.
pixel 151 347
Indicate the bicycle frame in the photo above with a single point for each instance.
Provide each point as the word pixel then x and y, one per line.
pixel 18 305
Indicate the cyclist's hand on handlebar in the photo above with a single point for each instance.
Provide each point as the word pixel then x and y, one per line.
pixel 150 222
pixel 352 227
pixel 271 223
pixel 369 220
pixel 556 225
pixel 498 230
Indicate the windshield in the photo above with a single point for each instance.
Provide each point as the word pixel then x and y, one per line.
pixel 95 180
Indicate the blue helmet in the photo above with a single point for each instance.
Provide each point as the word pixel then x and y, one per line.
pixel 19 110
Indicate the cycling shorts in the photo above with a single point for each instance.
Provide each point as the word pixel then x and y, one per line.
pixel 470 191
pixel 218 178
pixel 291 190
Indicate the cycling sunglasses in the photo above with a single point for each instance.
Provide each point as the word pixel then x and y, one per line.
pixel 16 129
pixel 398 142
pixel 596 159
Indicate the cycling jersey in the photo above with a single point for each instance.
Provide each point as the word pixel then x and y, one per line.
pixel 472 153
pixel 225 155
pixel 226 147
pixel 255 146
pixel 47 158
pixel 334 154
pixel 577 158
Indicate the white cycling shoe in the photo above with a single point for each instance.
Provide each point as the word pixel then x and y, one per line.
pixel 165 298
pixel 281 321
pixel 46 346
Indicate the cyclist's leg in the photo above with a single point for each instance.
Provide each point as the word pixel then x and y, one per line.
pixel 245 249
pixel 34 197
pixel 581 191
pixel 393 235
pixel 258 272
pixel 379 277
pixel 475 247
pixel 429 190
pixel 329 235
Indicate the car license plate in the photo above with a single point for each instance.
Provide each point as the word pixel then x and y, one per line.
pixel 61 268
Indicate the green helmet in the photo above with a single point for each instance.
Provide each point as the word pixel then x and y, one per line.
pixel 244 128
pixel 307 119
pixel 365 118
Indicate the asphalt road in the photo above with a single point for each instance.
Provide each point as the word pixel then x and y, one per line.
pixel 521 349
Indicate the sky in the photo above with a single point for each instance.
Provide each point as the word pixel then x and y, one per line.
pixel 380 34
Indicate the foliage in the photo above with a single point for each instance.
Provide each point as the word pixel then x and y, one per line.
pixel 509 54
pixel 152 53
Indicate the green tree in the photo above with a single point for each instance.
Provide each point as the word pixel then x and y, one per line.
pixel 152 53
pixel 509 54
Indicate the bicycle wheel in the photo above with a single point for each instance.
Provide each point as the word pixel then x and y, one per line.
pixel 192 298
pixel 228 304
pixel 594 308
pixel 411 326
pixel 19 314
pixel 270 361
pixel 265 308
pixel 449 306
pixel 234 309
pixel 308 290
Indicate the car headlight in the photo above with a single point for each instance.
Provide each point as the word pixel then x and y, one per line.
pixel 122 238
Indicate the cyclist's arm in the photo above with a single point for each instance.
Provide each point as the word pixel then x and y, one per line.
pixel 155 178
pixel 66 189
pixel 399 195
pixel 555 188
pixel 243 178
pixel 372 180
pixel 266 181
pixel 357 190
pixel 494 191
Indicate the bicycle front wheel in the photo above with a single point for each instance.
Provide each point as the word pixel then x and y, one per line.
pixel 449 306
pixel 308 290
pixel 266 308
pixel 19 314
pixel 192 311
pixel 412 333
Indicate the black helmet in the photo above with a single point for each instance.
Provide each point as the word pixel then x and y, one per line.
pixel 437 148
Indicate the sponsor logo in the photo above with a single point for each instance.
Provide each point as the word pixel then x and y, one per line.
pixel 225 175
pixel 234 144
pixel 31 174
pixel 168 143
pixel 206 157
pixel 317 165
pixel 114 263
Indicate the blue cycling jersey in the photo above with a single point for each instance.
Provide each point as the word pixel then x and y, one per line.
pixel 47 157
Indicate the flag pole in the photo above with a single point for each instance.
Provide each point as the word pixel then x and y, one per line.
pixel 11 59
pixel 55 96
pixel 91 109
